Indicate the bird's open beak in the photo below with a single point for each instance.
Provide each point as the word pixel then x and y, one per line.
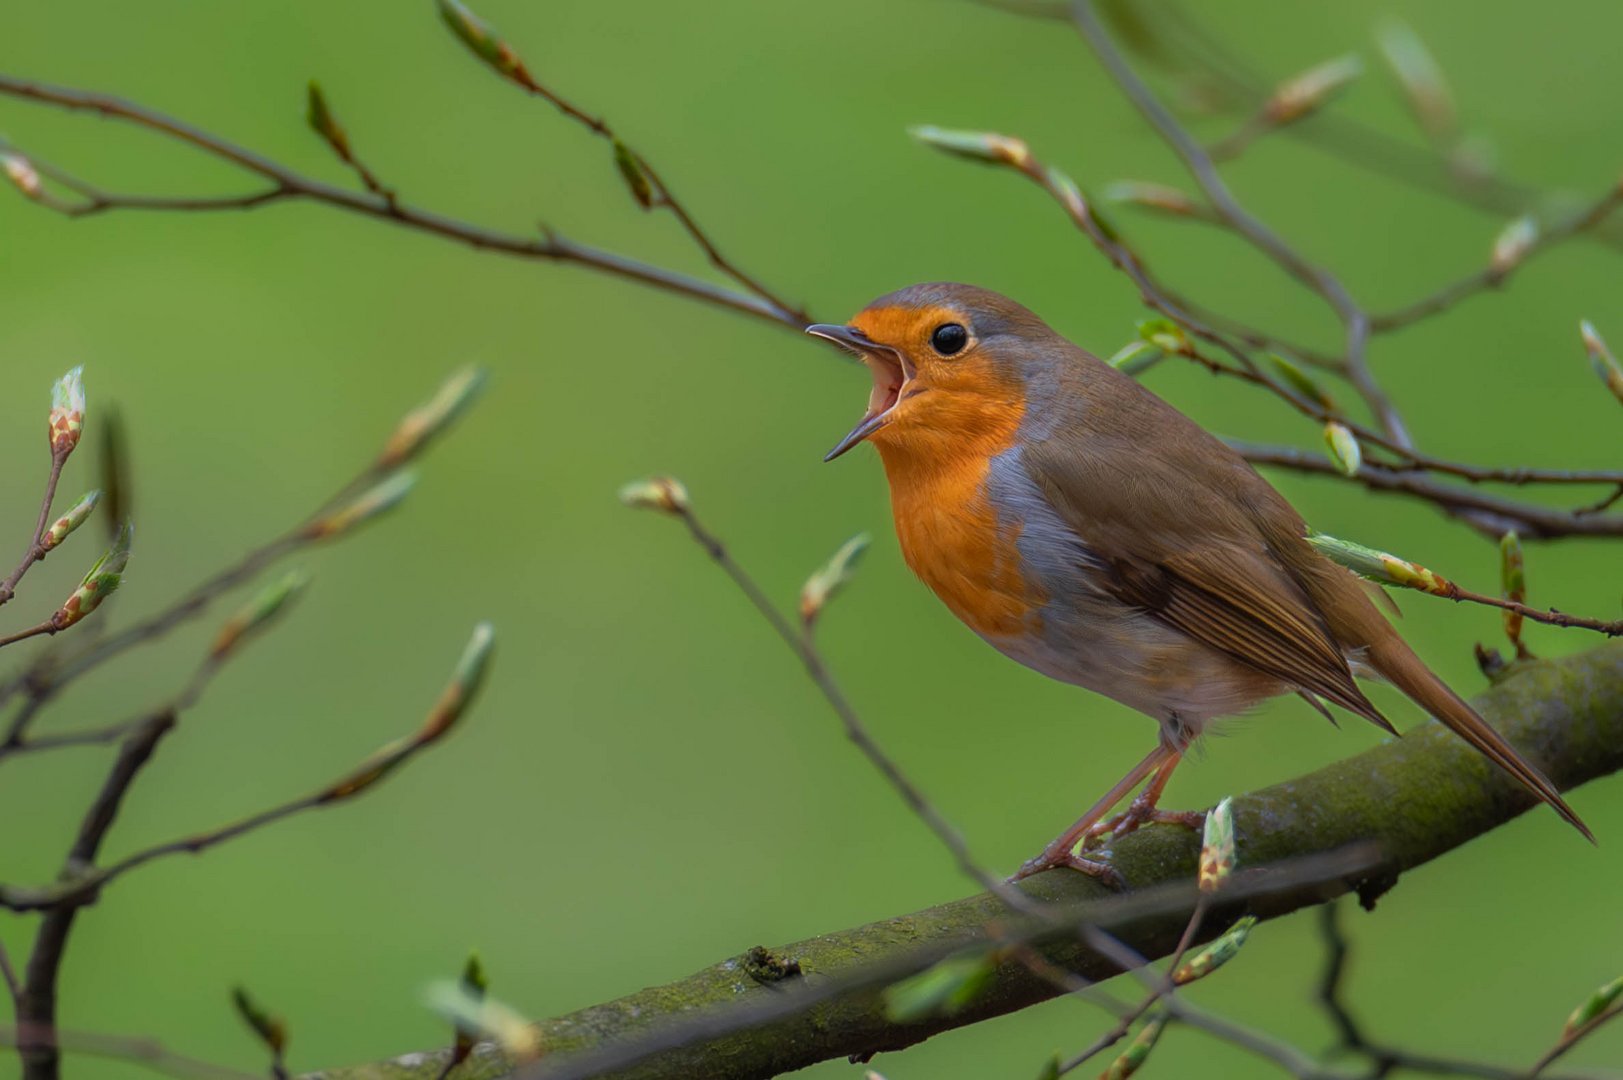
pixel 891 374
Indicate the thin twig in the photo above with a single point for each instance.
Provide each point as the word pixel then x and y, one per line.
pixel 288 185
pixel 1355 321
pixel 1490 278
pixel 803 648
pixel 140 1051
pixel 36 545
pixel 13 987
pixel 1572 1039
pixel 1491 515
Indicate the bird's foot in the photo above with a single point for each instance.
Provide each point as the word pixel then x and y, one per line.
pixel 1053 860
pixel 1138 813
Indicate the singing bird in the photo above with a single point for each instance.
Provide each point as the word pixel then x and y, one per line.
pixel 1086 528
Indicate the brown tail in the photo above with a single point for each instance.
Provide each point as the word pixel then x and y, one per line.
pixel 1398 663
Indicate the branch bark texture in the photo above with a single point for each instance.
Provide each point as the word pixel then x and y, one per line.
pixel 1416 798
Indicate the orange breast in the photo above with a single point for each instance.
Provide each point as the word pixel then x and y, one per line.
pixel 951 537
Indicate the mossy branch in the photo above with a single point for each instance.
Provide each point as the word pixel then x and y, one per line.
pixel 1415 798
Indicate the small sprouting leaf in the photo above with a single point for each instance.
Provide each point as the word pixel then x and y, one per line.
pixel 635 176
pixel 1343 447
pixel 480 37
pixel 984 146
pixel 1601 359
pixel 427 421
pixel 1135 357
pixel 1381 566
pixel 1417 71
pixel 258 613
pixel 1512 244
pixel 1217 846
pixel 1138 1051
pixel 1152 196
pixel 1301 382
pixel 831 577
pixel 323 123
pixel 67 417
pixel 1312 89
pixel 271 1030
pixel 71 520
pixel 378 499
pixel 663 493
pixel 1215 954
pixel 1167 336
pixel 1599 1002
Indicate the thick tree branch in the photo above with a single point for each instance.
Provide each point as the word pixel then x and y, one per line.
pixel 1416 798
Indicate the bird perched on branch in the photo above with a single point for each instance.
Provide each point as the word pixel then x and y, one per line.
pixel 1089 530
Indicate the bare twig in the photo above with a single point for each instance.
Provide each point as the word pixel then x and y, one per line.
pixel 805 650
pixel 141 1051
pixel 36 545
pixel 1490 277
pixel 1355 321
pixel 288 185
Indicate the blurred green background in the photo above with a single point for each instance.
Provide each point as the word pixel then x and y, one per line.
pixel 650 784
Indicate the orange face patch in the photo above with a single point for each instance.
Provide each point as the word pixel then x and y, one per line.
pixel 954 416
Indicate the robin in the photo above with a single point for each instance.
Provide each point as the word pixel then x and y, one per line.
pixel 1089 530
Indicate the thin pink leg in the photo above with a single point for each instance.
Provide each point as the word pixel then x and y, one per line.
pixel 1058 853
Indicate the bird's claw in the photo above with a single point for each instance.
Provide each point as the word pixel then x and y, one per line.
pixel 1096 868
pixel 1138 814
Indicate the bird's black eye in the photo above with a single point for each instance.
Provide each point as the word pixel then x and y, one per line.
pixel 949 338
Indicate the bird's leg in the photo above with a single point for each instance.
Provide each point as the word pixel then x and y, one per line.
pixel 1059 853
pixel 1143 810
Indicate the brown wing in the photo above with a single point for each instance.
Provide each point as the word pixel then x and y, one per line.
pixel 1178 535
pixel 1244 604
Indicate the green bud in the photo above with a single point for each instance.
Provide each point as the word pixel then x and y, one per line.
pixel 67 419
pixel 475 983
pixel 1594 1005
pixel 1167 336
pixel 429 420
pixel 101 582
pixel 663 493
pixel 1601 359
pixel 1152 196
pixel 1312 89
pixel 984 146
pixel 380 498
pixel 635 176
pixel 1138 1051
pixel 1380 566
pixel 1417 71
pixel 257 613
pixel 1217 846
pixel 1343 447
pixel 831 577
pixel 271 1030
pixel 1216 954
pixel 323 123
pixel 480 37
pixel 75 517
pixel 1135 357
pixel 485 1015
pixel 941 989
pixel 1050 1069
pixel 22 174
pixel 1301 382
pixel 1512 244
pixel 452 703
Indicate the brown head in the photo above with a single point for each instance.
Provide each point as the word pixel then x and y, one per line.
pixel 950 365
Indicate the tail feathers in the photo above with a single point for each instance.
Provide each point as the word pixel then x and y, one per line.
pixel 1403 669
